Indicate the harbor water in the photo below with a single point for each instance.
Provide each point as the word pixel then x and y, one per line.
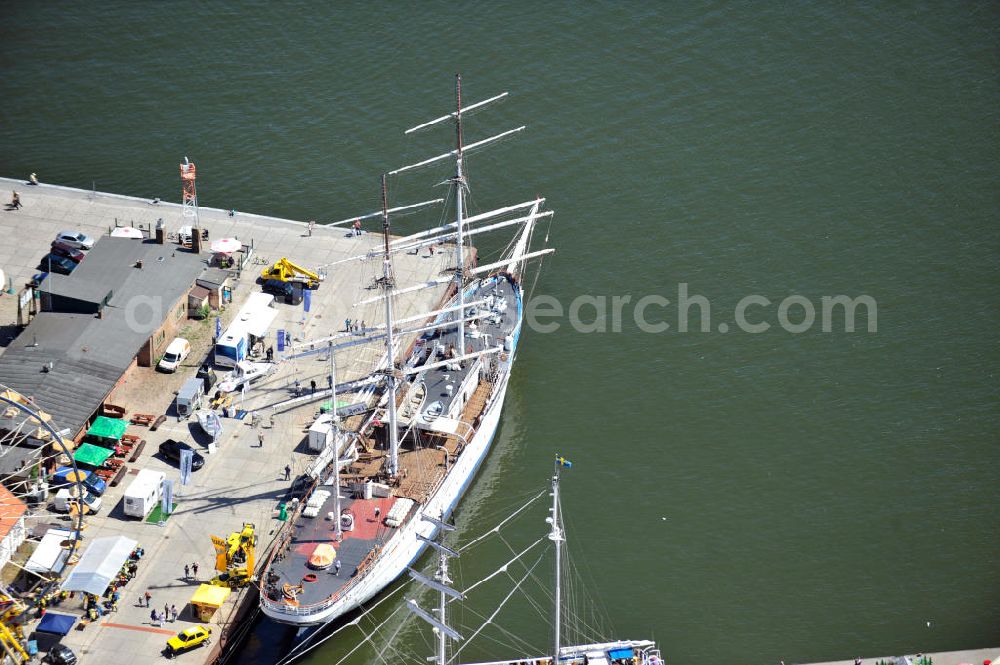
pixel 803 492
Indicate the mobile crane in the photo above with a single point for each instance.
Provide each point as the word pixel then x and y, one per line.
pixel 286 271
pixel 234 557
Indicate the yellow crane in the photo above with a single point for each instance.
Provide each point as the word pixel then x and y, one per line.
pixel 286 271
pixel 234 557
pixel 11 634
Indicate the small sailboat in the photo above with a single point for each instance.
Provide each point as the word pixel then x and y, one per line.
pixel 624 652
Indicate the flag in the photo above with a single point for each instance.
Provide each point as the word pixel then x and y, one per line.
pixel 187 458
pixel 562 461
pixel 306 300
pixel 167 498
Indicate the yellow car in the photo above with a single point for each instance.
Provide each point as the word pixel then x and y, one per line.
pixel 188 638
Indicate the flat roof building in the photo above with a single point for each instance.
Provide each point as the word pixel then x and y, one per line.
pixel 118 307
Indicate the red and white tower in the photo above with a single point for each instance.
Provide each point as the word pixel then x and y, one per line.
pixel 189 202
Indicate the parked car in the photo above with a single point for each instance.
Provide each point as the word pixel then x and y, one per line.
pixel 71 253
pixel 171 449
pixel 60 654
pixel 208 375
pixel 56 263
pixel 187 639
pixel 289 292
pixel 67 496
pixel 75 239
pixel 94 484
pixel 175 354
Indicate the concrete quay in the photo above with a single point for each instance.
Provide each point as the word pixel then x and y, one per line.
pixel 243 481
pixel 968 657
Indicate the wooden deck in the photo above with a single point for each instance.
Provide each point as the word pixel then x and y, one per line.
pixel 424 467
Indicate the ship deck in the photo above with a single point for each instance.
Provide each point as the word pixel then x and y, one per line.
pixel 422 462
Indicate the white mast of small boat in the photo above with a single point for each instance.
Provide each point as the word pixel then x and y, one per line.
pixel 390 366
pixel 556 536
pixel 336 450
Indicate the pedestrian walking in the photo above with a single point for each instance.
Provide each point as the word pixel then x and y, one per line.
pixel 154 618
pixel 288 472
pixel 173 613
pixel 312 225
pixel 312 385
pixel 329 381
pixel 270 353
pixel 378 512
pixel 194 569
pixel 187 572
pixel 336 567
pixel 296 386
pixel 260 439
pixel 347 325
pixel 166 611
pixel 148 596
pixel 15 201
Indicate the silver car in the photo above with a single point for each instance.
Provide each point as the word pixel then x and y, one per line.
pixel 75 239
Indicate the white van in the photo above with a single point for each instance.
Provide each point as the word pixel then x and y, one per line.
pixel 174 355
pixel 65 496
pixel 143 494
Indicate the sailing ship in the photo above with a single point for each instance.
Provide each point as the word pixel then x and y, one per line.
pixel 410 440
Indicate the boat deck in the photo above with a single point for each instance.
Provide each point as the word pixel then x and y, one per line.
pixel 426 453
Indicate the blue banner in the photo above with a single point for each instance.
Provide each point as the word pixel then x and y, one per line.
pixel 218 327
pixel 167 498
pixel 306 299
pixel 281 340
pixel 187 457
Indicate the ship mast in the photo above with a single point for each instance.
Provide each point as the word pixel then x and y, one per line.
pixel 556 535
pixel 336 450
pixel 459 214
pixel 441 583
pixel 387 284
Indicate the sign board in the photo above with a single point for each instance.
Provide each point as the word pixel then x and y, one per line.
pixel 187 457
pixel 281 340
pixel 352 409
pixel 167 497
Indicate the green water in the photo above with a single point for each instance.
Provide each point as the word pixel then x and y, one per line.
pixel 740 497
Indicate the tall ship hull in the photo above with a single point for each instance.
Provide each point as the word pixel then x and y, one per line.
pixel 397 547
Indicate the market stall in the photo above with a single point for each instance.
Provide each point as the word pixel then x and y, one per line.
pixel 207 599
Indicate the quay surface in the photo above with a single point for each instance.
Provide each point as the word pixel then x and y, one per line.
pixel 967 657
pixel 243 481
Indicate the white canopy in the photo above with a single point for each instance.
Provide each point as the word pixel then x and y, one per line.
pixel 99 565
pixel 50 553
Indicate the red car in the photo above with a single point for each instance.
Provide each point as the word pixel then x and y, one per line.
pixel 71 253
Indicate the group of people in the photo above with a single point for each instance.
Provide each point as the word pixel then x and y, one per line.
pixel 351 325
pixel 157 619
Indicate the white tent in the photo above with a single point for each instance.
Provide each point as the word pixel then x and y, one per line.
pixel 99 565
pixel 50 554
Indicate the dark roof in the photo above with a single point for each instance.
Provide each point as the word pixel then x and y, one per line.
pixel 89 354
pixel 213 278
pixel 15 458
pixel 78 289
